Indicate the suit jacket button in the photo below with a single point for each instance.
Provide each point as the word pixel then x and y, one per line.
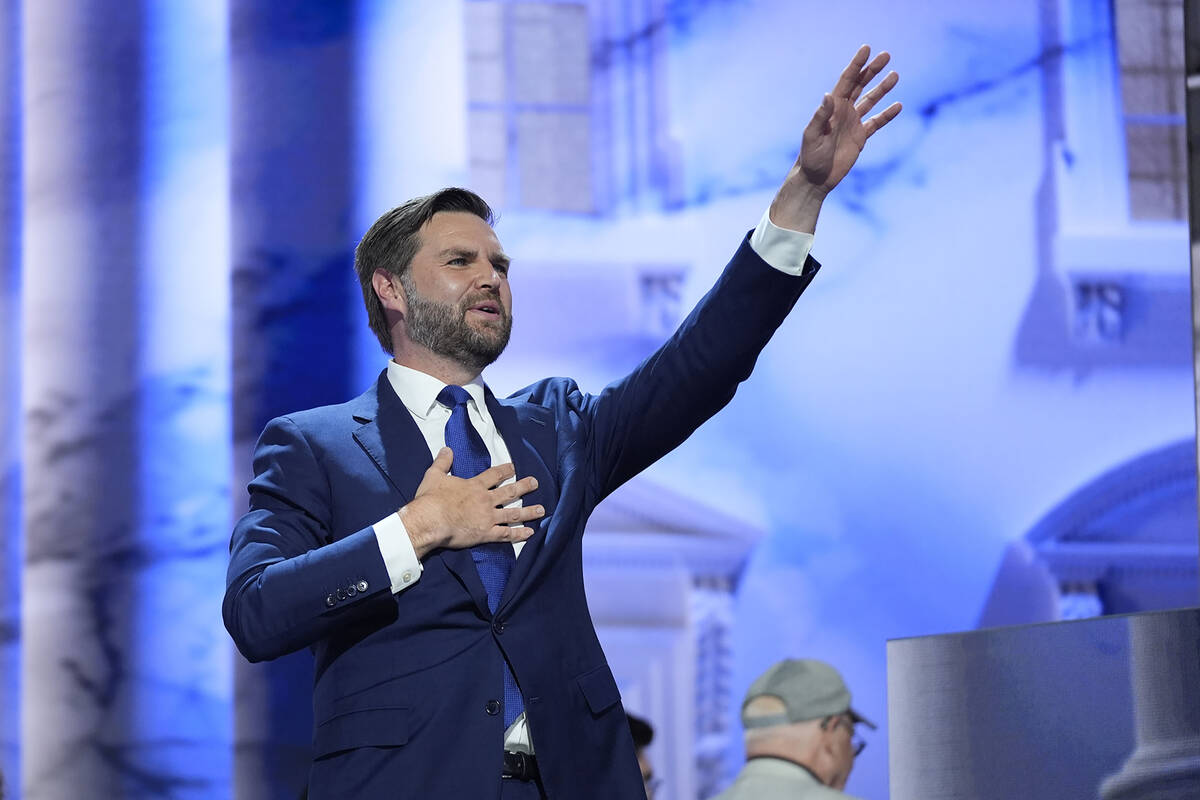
pixel 341 594
pixel 492 707
pixel 498 626
pixel 362 586
pixel 330 601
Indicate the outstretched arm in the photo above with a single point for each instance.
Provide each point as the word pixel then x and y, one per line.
pixel 833 139
pixel 644 415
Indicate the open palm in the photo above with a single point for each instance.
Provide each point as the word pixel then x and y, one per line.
pixel 837 132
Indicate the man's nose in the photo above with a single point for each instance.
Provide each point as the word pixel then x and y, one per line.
pixel 487 276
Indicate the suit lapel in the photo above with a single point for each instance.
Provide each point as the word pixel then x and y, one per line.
pixel 529 434
pixel 392 440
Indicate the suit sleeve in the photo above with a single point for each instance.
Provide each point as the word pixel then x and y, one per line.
pixel 288 585
pixel 643 416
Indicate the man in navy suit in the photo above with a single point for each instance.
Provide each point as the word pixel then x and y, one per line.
pixel 424 539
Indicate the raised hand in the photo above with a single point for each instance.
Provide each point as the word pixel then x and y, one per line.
pixel 833 139
pixel 458 513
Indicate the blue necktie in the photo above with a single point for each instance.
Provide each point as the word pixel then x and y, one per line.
pixel 493 560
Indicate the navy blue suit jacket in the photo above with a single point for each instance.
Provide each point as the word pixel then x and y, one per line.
pixel 404 682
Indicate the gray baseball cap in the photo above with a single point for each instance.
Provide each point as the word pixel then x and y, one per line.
pixel 809 689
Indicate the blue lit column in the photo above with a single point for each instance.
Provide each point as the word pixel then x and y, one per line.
pixel 126 685
pixel 292 89
pixel 184 679
pixel 10 396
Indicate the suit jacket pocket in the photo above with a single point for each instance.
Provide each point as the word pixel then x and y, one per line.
pixel 378 726
pixel 599 689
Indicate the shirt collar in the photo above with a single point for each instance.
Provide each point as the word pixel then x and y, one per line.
pixel 418 390
pixel 779 766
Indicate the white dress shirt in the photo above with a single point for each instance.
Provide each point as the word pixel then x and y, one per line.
pixel 785 250
pixel 419 392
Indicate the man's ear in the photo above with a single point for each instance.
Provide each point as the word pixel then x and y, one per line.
pixel 389 291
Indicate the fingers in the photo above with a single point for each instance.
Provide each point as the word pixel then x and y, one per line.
pixel 518 514
pixel 509 529
pixel 510 533
pixel 821 117
pixel 503 495
pixel 847 81
pixel 867 75
pixel 875 95
pixel 494 476
pixel 442 462
pixel 882 118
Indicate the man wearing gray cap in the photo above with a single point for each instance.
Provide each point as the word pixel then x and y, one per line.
pixel 800 740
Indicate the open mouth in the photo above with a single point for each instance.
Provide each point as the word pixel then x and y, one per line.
pixel 488 310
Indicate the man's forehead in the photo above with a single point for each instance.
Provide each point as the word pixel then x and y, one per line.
pixel 447 228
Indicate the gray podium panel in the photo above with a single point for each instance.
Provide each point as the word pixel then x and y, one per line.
pixel 1099 708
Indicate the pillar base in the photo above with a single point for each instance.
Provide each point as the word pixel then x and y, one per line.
pixel 1162 771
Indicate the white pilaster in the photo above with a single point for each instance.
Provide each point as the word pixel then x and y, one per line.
pixel 125 684
pixel 1165 763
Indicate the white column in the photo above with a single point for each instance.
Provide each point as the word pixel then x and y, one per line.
pixel 79 298
pixel 396 157
pixel 712 620
pixel 124 365
pixel 1165 763
pixel 929 753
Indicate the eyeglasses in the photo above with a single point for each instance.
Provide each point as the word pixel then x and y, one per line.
pixel 857 743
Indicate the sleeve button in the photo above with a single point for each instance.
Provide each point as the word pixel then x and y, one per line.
pixel 330 602
pixel 351 590
pixel 362 586
pixel 341 594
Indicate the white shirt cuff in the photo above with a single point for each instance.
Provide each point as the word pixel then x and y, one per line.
pixel 784 249
pixel 399 556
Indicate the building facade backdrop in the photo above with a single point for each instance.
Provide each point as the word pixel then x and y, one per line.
pixel 980 412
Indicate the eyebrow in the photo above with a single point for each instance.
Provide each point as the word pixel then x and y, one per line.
pixel 499 259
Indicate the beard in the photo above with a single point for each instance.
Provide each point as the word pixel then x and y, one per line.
pixel 443 328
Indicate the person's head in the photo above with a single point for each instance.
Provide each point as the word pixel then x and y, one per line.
pixel 799 710
pixel 643 734
pixel 435 281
